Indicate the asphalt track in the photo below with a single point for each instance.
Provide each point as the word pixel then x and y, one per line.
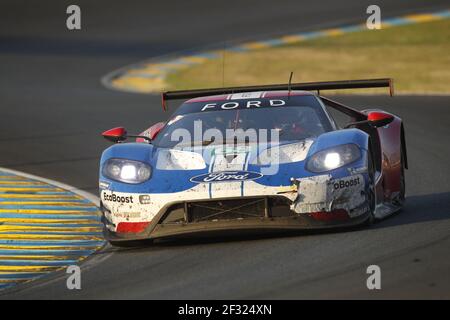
pixel 53 107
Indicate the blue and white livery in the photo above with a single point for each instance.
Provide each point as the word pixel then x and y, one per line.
pixel 259 160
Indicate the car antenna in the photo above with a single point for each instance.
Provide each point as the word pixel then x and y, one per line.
pixel 223 64
pixel 289 84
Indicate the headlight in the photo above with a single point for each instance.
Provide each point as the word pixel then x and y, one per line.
pixel 333 158
pixel 128 171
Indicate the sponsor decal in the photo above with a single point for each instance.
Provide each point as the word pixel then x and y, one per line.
pixel 243 105
pixel 226 176
pixel 346 183
pixel 127 215
pixel 103 185
pixel 144 199
pixel 115 198
pixel 246 95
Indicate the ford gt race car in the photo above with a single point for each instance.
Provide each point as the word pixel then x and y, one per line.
pixel 264 158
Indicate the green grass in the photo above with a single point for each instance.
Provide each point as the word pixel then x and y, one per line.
pixel 416 56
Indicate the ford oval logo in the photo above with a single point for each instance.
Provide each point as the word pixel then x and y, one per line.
pixel 226 176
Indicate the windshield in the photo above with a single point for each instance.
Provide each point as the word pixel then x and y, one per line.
pixel 290 123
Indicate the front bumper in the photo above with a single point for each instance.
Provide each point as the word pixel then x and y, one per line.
pixel 229 227
pixel 317 202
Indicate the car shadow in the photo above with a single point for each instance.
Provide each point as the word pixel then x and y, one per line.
pixel 417 209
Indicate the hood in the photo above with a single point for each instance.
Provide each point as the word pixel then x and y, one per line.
pixel 231 157
pixel 181 169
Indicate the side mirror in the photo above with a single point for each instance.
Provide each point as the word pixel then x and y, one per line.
pixel 375 119
pixel 379 119
pixel 115 135
pixel 119 134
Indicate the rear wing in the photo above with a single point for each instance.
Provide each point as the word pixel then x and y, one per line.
pixel 309 86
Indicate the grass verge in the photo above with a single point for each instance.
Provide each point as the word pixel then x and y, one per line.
pixel 416 56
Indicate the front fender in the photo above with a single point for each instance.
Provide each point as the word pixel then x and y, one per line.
pixel 132 151
pixel 142 152
pixel 339 137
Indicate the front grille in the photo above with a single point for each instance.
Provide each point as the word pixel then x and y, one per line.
pixel 226 209
pixel 236 209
